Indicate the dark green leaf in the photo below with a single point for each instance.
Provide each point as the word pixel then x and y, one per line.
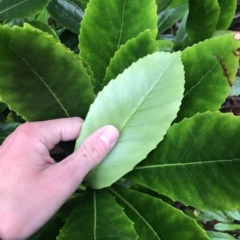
pixel 153 219
pixel 21 8
pixel 3 106
pixel 227 12
pixel 109 24
pixel 6 129
pixel 169 17
pixel 141 102
pixel 43 27
pixel 97 216
pixel 67 13
pixel 41 83
pixel 133 50
pixel 181 40
pixel 162 4
pixel 210 71
pixel 198 160
pixel 177 3
pixel 202 19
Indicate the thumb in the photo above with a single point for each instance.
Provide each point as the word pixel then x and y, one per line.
pixel 70 172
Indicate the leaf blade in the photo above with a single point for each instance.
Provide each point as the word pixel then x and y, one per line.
pixel 202 19
pixel 139 113
pixel 198 168
pixel 217 61
pixel 159 225
pixel 97 207
pixel 52 88
pixel 21 8
pixel 112 30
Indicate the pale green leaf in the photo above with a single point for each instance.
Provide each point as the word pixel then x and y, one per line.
pixel 158 220
pixel 142 102
pixel 234 214
pixel 43 82
pixel 219 216
pixel 21 8
pixel 107 25
pixel 3 106
pixel 96 215
pixel 219 236
pixel 202 19
pixel 198 160
pixel 130 52
pixel 210 68
pixel 227 13
pixel 226 227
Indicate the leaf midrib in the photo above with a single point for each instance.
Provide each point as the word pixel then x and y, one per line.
pixel 133 209
pixel 187 164
pixel 121 29
pixel 147 95
pixel 199 82
pixel 39 77
pixel 13 6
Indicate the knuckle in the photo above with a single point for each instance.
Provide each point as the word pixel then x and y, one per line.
pixel 92 151
pixel 25 129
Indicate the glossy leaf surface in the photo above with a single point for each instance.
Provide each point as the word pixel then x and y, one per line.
pixel 109 24
pixel 177 3
pixel 162 4
pixel 6 129
pixel 129 53
pixel 29 82
pixel 199 155
pixel 208 85
pixel 202 19
pixel 227 12
pixel 169 17
pixel 142 102
pixel 21 8
pixel 157 220
pixel 66 12
pixel 97 216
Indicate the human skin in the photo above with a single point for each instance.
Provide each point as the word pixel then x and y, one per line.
pixel 32 186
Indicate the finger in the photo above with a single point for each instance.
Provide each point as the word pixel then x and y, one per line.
pixel 68 174
pixel 50 132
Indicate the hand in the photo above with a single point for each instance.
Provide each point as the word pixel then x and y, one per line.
pixel 32 186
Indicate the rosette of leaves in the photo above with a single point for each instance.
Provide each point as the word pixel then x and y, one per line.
pixel 174 145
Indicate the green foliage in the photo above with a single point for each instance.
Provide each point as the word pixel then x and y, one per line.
pixel 52 88
pixel 21 8
pixel 66 12
pixel 164 103
pixel 122 21
pixel 227 12
pixel 139 112
pixel 202 19
pixel 196 162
